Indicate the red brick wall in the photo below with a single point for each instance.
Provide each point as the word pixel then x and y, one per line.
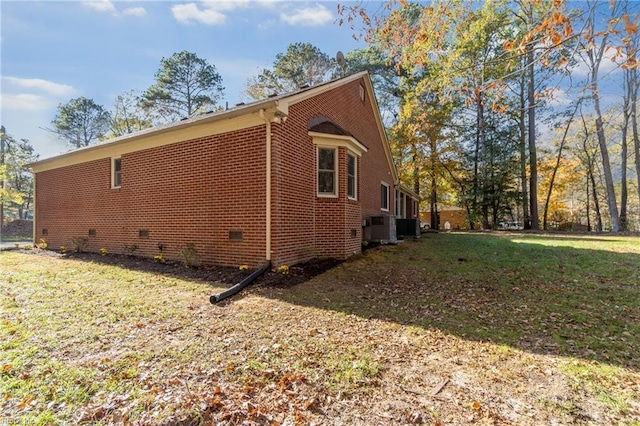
pixel 196 191
pixel 356 117
pixel 189 192
pixel 456 218
pixel 322 226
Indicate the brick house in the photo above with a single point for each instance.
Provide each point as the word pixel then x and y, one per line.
pixel 284 179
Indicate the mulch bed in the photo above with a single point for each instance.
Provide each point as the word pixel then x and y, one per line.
pixel 297 274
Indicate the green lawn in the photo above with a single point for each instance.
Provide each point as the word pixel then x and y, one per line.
pixel 453 328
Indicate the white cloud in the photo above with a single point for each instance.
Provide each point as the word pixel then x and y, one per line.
pixel 32 94
pixel 267 24
pixel 308 16
pixel 134 11
pixel 26 102
pixel 109 7
pixel 190 13
pixel 100 5
pixel 49 87
pixel 225 5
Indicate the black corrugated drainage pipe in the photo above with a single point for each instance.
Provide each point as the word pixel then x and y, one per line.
pixel 242 284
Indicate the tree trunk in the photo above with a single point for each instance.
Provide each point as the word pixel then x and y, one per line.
pixel 590 176
pixel 476 160
pixel 596 203
pixel 435 222
pixel 595 55
pixel 623 174
pixel 416 178
pixel 634 85
pixel 523 159
pixel 533 158
pixel 588 207
pixel 557 166
pixel 628 86
pixel 606 164
pixel 482 160
pixel 29 200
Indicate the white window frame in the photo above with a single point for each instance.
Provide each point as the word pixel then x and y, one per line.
pixel 355 176
pixel 386 185
pixel 114 181
pixel 333 194
pixel 331 141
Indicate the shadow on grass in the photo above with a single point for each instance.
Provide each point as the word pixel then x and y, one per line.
pixel 512 290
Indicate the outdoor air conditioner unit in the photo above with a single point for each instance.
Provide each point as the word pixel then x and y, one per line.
pixel 383 229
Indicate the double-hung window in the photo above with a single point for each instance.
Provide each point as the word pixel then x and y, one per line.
pixel 116 168
pixel 351 177
pixel 384 196
pixel 327 167
pixel 337 164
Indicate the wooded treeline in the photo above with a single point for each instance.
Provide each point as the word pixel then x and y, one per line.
pixel 517 111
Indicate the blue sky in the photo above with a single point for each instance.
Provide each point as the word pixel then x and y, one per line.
pixel 52 51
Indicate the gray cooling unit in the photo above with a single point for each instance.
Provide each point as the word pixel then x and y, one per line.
pixel 383 229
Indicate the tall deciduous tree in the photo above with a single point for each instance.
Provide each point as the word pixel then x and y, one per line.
pixel 16 190
pixel 595 44
pixel 81 122
pixel 185 85
pixel 545 29
pixel 634 88
pixel 302 64
pixel 556 167
pixel 127 116
pixel 503 59
pixel 630 125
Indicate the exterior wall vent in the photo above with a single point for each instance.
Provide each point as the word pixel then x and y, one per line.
pixel 143 233
pixel 92 232
pixel 235 235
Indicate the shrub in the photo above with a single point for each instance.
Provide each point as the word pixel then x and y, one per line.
pixel 104 251
pixel 79 244
pixel 158 258
pixel 129 249
pixel 28 247
pixel 63 249
pixel 189 255
pixel 43 245
pixel 283 269
pixel 244 268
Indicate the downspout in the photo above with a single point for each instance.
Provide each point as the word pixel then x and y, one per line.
pixel 242 284
pixel 35 209
pixel 245 282
pixel 268 187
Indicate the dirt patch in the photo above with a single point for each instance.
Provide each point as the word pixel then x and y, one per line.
pixel 18 228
